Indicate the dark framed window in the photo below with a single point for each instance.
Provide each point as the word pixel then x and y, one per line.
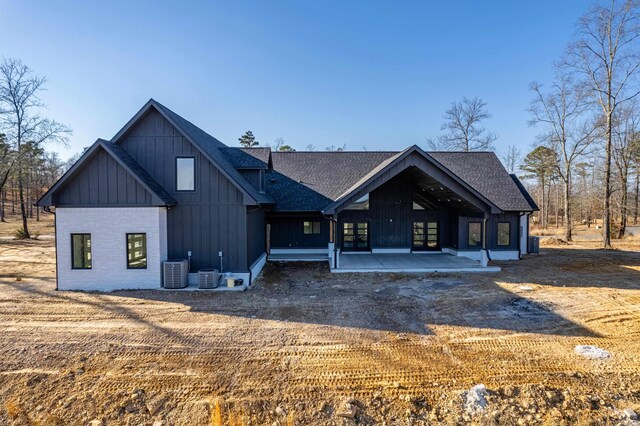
pixel 475 233
pixel 136 251
pixel 311 228
pixel 185 174
pixel 504 233
pixel 80 251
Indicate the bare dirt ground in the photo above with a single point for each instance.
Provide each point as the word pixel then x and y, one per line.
pixel 305 346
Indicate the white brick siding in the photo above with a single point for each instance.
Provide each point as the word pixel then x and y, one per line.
pixel 108 227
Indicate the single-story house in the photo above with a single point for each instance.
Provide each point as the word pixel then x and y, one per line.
pixel 162 188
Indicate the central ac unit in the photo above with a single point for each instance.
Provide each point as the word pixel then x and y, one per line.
pixel 208 278
pixel 175 273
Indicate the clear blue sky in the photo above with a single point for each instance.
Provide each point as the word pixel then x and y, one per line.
pixel 361 73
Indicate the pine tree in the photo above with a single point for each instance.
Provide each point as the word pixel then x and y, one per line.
pixel 248 140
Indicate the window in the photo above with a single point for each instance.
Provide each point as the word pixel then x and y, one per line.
pixel 262 190
pixel 418 201
pixel 475 233
pixel 311 228
pixel 185 174
pixel 361 203
pixel 136 251
pixel 80 251
pixel 504 233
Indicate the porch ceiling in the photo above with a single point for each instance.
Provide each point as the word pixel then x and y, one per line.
pixel 432 195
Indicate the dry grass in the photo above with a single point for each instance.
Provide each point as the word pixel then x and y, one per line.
pixel 14 222
pixel 403 346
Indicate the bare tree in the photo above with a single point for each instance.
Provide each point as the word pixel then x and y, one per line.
pixel 21 120
pixel 626 148
pixel 279 144
pixel 605 54
pixel 463 127
pixel 511 158
pixel 567 128
pixel 7 160
pixel 336 148
pixel 310 147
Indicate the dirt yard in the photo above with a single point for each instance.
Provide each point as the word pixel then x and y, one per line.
pixel 308 347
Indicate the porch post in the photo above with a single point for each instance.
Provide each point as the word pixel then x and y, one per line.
pixel 484 253
pixel 333 258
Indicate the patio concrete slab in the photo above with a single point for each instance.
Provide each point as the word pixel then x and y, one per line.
pixel 409 262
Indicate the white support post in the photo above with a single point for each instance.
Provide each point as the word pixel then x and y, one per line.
pixel 484 258
pixel 332 256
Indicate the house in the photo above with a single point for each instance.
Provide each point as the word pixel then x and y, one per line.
pixel 162 188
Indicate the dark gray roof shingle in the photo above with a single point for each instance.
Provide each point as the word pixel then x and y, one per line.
pixel 305 180
pixel 313 180
pixel 247 158
pixel 485 173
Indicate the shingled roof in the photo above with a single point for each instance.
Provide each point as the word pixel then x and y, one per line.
pixel 304 180
pixel 125 160
pixel 312 180
pixel 486 174
pixel 247 158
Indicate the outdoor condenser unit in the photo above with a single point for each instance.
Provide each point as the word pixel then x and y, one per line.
pixel 208 278
pixel 534 245
pixel 175 273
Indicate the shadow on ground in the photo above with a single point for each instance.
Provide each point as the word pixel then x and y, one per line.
pixel 309 293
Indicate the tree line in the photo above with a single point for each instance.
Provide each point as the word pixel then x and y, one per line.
pixel 586 158
pixel 26 168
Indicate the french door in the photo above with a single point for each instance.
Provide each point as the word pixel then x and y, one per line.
pixel 426 236
pixel 355 236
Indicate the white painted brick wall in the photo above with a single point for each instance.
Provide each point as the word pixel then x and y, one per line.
pixel 108 227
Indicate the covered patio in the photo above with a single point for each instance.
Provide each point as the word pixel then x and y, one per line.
pixel 409 262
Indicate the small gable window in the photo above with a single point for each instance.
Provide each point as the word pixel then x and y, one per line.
pixel 311 228
pixel 185 174
pixel 361 203
pixel 81 251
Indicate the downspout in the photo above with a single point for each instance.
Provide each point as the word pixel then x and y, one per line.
pixel 520 230
pixel 55 238
pixel 484 236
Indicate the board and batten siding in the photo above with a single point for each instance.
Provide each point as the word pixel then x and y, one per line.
pixel 102 181
pixel 287 232
pixel 256 234
pixel 391 216
pixel 206 221
pixel 108 227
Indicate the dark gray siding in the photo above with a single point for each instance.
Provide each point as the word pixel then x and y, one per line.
pixel 463 231
pixel 492 231
pixel 256 234
pixel 253 176
pixel 391 216
pixel 102 182
pixel 513 219
pixel 287 231
pixel 208 220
